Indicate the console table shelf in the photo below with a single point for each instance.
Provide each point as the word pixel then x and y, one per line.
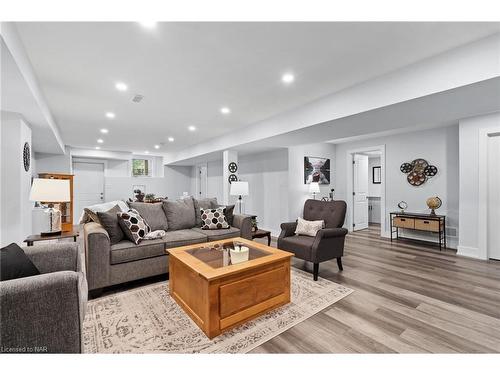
pixel 420 222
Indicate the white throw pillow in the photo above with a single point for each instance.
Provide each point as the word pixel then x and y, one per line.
pixel 101 207
pixel 309 228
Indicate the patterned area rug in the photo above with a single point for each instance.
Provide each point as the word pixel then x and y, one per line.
pixel 148 320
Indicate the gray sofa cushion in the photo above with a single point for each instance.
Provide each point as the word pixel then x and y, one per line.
pixel 180 213
pixel 219 234
pixel 127 251
pixel 109 220
pixel 203 203
pixel 184 237
pixel 153 214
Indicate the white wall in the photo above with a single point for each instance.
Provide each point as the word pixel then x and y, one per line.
pixel 298 192
pixel 439 147
pixel 214 180
pixel 267 176
pixel 470 165
pixel 373 189
pixel 60 163
pixel 15 224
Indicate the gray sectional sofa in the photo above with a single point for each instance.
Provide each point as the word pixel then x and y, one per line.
pixel 110 264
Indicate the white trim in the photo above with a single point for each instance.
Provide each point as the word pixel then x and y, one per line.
pixel 467 251
pixel 349 190
pixel 482 220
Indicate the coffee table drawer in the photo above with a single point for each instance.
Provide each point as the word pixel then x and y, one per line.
pixel 404 222
pixel 242 294
pixel 428 225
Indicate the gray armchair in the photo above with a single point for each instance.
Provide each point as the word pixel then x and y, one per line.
pixel 44 313
pixel 328 243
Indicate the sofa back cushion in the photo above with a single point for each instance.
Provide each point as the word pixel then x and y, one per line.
pixel 332 212
pixel 180 213
pixel 109 221
pixel 203 203
pixel 153 214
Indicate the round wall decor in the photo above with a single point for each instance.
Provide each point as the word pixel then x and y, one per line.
pixel 406 167
pixel 26 156
pixel 233 167
pixel 232 178
pixel 418 171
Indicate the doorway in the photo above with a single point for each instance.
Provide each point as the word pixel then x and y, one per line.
pixel 493 240
pixel 201 180
pixel 88 186
pixel 366 189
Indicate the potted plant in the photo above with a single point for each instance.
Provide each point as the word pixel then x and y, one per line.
pixel 150 197
pixel 254 224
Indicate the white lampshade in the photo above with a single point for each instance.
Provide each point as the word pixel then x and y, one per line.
pixel 239 188
pixel 314 187
pixel 49 190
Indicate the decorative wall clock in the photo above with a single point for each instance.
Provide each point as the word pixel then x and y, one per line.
pixel 418 171
pixel 26 156
pixel 232 178
pixel 233 167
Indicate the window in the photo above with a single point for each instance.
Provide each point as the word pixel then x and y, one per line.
pixel 140 167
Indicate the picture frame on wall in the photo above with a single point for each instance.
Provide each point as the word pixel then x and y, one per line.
pixel 377 175
pixel 316 170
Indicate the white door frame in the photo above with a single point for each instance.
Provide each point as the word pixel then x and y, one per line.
pixel 482 221
pixel 350 186
pixel 197 179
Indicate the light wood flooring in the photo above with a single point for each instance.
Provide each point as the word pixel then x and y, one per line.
pixel 408 298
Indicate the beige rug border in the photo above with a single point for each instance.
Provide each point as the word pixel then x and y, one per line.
pixel 257 343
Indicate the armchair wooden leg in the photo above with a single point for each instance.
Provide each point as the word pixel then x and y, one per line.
pixel 339 263
pixel 315 271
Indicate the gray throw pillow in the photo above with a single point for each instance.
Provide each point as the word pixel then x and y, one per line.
pixel 229 212
pixel 153 214
pixel 109 221
pixel 180 213
pixel 200 204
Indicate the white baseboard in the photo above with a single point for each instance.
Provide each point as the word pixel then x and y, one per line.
pixel 470 252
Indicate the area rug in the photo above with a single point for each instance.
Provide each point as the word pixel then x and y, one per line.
pixel 148 320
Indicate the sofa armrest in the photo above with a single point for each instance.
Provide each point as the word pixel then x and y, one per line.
pixel 328 244
pixel 244 224
pixel 97 255
pixel 43 313
pixel 331 233
pixel 288 229
pixel 55 257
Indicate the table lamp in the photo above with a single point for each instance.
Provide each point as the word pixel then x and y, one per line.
pixel 314 189
pixel 239 188
pixel 48 190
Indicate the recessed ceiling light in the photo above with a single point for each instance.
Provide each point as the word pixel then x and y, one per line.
pixel 225 110
pixel 100 140
pixel 191 128
pixel 110 115
pixel 148 24
pixel 97 148
pixel 157 146
pixel 170 139
pixel 120 86
pixel 146 152
pixel 104 131
pixel 288 78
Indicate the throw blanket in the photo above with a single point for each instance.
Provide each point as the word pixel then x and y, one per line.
pixel 155 234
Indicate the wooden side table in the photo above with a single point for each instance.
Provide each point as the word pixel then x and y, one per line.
pixel 38 237
pixel 261 233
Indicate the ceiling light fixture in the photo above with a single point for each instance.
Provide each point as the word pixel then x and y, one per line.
pixel 288 78
pixel 170 139
pixel 100 140
pixel 148 24
pixel 97 148
pixel 157 146
pixel 120 86
pixel 191 128
pixel 104 131
pixel 225 110
pixel 146 152
pixel 110 115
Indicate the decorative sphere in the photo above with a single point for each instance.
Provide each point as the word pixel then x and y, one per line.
pixel 434 203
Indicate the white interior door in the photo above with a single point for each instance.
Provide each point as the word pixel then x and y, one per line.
pixel 493 197
pixel 202 181
pixel 88 186
pixel 360 198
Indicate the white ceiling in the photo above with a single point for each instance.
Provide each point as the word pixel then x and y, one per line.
pixel 187 71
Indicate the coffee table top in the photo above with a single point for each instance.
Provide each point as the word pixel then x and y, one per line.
pixel 225 257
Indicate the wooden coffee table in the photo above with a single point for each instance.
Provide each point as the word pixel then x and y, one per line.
pixel 219 295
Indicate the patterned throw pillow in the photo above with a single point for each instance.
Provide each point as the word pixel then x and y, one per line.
pixel 309 228
pixel 133 225
pixel 213 219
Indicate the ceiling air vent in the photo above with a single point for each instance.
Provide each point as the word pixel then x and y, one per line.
pixel 138 98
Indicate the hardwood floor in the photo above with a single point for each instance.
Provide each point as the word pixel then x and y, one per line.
pixel 408 298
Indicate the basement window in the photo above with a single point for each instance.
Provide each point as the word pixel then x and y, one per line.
pixel 140 168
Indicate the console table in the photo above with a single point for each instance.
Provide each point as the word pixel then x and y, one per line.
pixel 421 222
